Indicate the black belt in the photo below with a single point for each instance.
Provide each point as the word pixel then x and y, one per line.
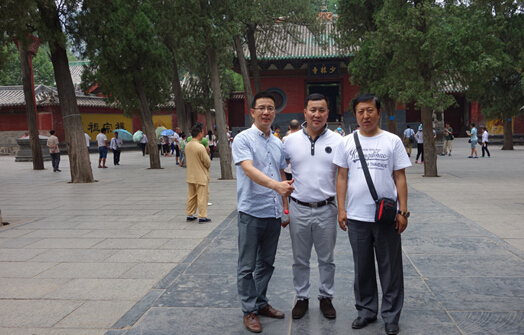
pixel 314 204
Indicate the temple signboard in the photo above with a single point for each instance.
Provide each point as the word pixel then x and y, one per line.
pixel 325 69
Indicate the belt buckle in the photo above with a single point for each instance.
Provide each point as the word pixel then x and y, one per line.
pixel 313 204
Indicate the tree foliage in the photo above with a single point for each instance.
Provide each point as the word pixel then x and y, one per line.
pixel 408 51
pixel 128 59
pixel 497 82
pixel 42 67
pixel 121 42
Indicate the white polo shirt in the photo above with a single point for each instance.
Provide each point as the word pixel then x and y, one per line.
pixel 312 164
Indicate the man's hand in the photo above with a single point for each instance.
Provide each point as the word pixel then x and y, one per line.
pixel 284 188
pixel 284 224
pixel 401 224
pixel 342 219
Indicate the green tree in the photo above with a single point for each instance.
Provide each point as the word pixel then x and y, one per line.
pixel 258 24
pixel 42 67
pixel 418 46
pixel 52 31
pixel 371 61
pixel 15 24
pixel 43 18
pixel 128 59
pixel 497 82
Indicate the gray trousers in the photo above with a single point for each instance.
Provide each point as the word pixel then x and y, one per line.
pixel 369 239
pixel 257 247
pixel 310 227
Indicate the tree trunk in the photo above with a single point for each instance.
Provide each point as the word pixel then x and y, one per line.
pixel 149 128
pixel 438 119
pixel 508 134
pixel 391 121
pixel 80 165
pixel 179 97
pixel 253 56
pixel 81 171
pixel 220 117
pixel 30 107
pixel 245 75
pixel 209 121
pixel 430 153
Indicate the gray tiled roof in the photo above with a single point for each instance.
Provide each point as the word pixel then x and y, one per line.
pixel 76 69
pixel 277 44
pixel 46 96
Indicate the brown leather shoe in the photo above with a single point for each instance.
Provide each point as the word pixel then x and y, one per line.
pixel 252 323
pixel 327 308
pixel 271 312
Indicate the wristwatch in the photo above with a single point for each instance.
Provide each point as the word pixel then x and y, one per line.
pixel 405 214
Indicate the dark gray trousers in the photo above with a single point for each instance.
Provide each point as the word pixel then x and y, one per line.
pixel 55 161
pixel 257 247
pixel 369 240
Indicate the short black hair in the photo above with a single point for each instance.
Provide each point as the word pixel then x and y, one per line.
pixel 52 132
pixel 195 130
pixel 473 124
pixel 364 98
pixel 408 126
pixel 103 130
pixel 263 94
pixel 315 97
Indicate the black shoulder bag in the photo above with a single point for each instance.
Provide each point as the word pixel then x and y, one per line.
pixel 386 209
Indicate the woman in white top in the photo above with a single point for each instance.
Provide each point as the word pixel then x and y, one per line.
pixel 420 145
pixel 485 136
pixel 212 142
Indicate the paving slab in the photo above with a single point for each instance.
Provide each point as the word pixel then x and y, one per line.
pixel 117 257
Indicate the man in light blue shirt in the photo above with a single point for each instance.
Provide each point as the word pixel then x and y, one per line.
pixel 473 134
pixel 261 193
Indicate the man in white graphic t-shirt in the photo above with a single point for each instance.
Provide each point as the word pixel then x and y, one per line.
pixel 386 159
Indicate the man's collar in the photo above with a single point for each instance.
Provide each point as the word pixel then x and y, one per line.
pixel 258 131
pixel 304 129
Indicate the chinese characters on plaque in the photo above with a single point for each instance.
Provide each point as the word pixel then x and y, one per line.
pixel 328 69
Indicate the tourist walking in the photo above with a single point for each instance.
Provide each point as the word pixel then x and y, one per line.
pixel 485 142
pixel 54 150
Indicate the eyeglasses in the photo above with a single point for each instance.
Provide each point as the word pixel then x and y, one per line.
pixel 268 108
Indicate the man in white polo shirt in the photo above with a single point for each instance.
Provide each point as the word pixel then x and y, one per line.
pixel 312 209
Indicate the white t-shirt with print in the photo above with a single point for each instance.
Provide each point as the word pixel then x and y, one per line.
pixel 384 154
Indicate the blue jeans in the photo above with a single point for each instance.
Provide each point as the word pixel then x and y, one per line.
pixel 257 247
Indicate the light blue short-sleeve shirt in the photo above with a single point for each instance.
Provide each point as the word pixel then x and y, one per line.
pixel 267 155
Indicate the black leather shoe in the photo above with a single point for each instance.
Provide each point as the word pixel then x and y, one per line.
pixel 361 322
pixel 191 218
pixel 391 328
pixel 327 308
pixel 300 309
